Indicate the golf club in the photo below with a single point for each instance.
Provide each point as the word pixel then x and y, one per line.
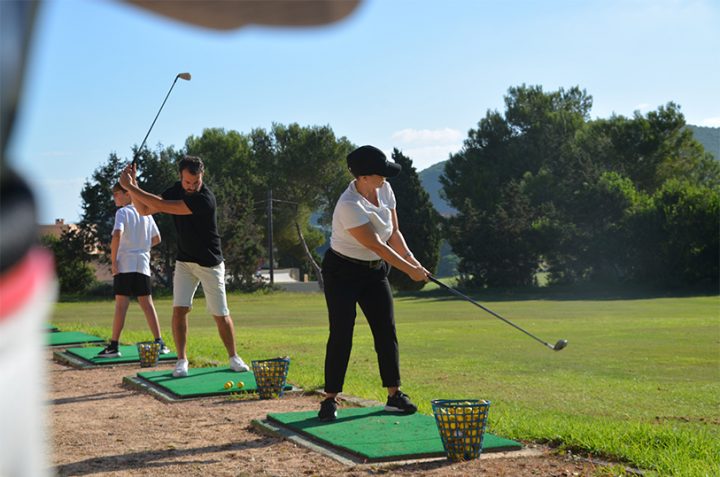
pixel 557 347
pixel 184 76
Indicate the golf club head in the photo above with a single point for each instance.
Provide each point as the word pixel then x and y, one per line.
pixel 185 76
pixel 560 345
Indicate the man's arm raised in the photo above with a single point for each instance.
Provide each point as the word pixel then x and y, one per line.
pixel 147 203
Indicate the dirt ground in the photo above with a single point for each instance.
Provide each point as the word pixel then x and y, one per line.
pixel 101 427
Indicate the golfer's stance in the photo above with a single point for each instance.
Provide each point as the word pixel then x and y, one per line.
pixel 365 239
pixel 199 257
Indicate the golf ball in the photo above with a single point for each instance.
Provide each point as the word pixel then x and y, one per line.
pixel 229 385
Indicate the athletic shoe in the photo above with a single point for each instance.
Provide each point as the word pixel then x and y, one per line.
pixel 400 402
pixel 328 410
pixel 163 349
pixel 238 365
pixel 181 368
pixel 109 352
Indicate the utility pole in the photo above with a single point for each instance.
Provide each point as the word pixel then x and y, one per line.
pixel 270 237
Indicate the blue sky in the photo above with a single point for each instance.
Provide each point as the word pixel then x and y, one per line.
pixel 416 75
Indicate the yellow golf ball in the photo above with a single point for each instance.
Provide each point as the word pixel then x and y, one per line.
pixel 229 385
pixel 240 384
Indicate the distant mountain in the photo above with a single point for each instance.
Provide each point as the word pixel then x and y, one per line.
pixel 709 138
pixel 430 180
pixel 430 177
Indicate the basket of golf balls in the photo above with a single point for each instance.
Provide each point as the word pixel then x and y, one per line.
pixel 149 352
pixel 271 376
pixel 461 424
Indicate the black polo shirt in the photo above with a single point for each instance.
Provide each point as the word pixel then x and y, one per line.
pixel 197 234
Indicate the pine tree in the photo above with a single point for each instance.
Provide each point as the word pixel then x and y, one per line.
pixel 418 220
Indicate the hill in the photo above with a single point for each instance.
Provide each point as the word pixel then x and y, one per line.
pixel 430 177
pixel 709 138
pixel 430 180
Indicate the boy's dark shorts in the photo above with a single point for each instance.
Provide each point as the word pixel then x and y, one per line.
pixel 132 284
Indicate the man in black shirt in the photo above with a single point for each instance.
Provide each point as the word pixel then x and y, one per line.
pixel 199 259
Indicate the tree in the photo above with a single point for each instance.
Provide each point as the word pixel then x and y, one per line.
pixel 650 149
pixel 674 236
pixel 303 166
pixel 542 184
pixel 494 232
pixel 98 215
pixel 418 220
pixel 240 235
pixel 72 267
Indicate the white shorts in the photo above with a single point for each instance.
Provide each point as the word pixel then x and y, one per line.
pixel 185 282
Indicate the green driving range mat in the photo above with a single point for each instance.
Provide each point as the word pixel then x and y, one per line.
pixel 202 382
pixel 129 355
pixel 51 328
pixel 60 338
pixel 377 435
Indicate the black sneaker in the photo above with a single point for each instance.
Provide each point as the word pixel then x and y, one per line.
pixel 400 402
pixel 109 352
pixel 163 349
pixel 328 410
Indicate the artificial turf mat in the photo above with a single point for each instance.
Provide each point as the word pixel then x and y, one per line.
pixel 377 435
pixel 129 355
pixel 202 382
pixel 51 328
pixel 60 338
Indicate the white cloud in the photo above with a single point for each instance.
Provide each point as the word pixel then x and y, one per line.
pixel 427 136
pixel 427 146
pixel 711 122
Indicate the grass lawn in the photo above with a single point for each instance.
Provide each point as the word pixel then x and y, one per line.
pixel 638 383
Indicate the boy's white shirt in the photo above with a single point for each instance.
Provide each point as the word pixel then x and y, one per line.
pixel 136 234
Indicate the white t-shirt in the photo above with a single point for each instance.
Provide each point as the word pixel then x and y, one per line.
pixel 353 210
pixel 136 234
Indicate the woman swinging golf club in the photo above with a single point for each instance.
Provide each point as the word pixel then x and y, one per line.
pixel 365 242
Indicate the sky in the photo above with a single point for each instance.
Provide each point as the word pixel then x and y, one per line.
pixel 416 75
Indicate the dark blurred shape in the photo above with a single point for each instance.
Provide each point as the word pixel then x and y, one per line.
pixel 16 20
pixel 18 220
pixel 228 14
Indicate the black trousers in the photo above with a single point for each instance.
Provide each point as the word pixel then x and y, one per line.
pixel 348 284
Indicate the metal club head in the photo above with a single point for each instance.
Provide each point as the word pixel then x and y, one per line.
pixel 185 76
pixel 560 345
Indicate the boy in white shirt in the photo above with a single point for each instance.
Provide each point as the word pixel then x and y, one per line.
pixel 133 237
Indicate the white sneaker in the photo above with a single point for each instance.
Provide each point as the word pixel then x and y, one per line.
pixel 238 365
pixel 181 368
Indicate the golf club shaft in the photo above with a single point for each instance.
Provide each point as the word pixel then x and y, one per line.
pixel 153 123
pixel 461 295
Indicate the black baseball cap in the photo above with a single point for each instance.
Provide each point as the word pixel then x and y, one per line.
pixel 369 160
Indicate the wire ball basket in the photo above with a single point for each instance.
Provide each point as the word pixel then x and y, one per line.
pixel 271 376
pixel 461 424
pixel 149 352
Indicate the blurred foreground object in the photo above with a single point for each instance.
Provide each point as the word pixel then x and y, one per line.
pixel 229 14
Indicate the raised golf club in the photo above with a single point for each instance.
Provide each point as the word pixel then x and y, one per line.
pixel 556 347
pixel 183 76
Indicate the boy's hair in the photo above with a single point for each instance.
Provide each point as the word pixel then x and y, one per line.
pixel 117 188
pixel 193 164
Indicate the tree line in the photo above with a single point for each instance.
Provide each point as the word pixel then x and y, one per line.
pixel 538 187
pixel 541 186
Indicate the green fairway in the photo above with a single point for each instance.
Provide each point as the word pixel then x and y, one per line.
pixel 638 383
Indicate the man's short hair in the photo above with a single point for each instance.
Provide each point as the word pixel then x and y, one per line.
pixel 193 164
pixel 117 188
